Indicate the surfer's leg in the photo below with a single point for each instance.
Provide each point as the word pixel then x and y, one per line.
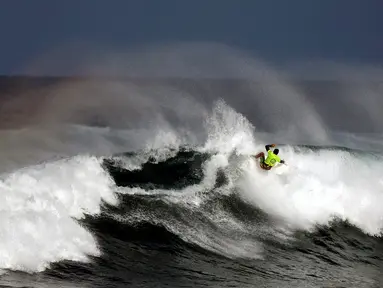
pixel 261 154
pixel 264 166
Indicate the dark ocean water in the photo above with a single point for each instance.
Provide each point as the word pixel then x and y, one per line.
pixel 173 214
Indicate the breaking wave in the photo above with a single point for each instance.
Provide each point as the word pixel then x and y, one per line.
pixel 207 202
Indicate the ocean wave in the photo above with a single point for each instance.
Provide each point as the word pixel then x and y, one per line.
pixel 169 208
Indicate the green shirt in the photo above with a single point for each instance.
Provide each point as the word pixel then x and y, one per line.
pixel 272 159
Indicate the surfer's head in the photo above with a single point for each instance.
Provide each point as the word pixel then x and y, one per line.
pixel 276 151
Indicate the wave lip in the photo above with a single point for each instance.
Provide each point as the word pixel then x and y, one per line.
pixel 176 172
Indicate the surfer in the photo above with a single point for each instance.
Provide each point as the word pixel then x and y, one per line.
pixel 272 157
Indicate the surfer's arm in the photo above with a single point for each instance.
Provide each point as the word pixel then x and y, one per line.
pixel 268 146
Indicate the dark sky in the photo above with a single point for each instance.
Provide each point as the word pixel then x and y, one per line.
pixel 277 30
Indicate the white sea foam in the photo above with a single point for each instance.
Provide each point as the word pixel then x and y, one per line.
pixel 313 188
pixel 38 208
